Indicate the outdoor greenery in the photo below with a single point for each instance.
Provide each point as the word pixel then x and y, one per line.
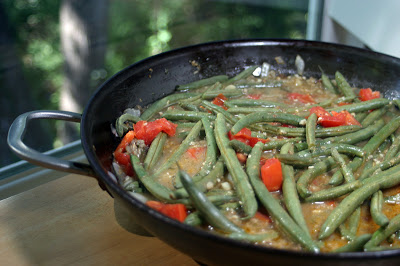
pixel 136 30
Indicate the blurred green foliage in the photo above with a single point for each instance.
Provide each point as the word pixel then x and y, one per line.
pixel 138 29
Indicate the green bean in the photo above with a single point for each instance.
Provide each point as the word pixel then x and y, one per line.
pixel 180 150
pixel 394 148
pixel 185 124
pixel 186 115
pixel 345 208
pixel 193 219
pixel 190 107
pixel 156 189
pixel 266 117
pixel 333 192
pixel 345 232
pixel 212 178
pixel 241 182
pixel 240 146
pixel 354 221
pixel 282 218
pixel 311 173
pixel 356 137
pixel 276 144
pixel 294 159
pixel 202 82
pixel 325 149
pixel 373 116
pixel 337 177
pixel 345 100
pixel 311 125
pixel 218 109
pixel 211 154
pixel 254 237
pixel 249 110
pixel 327 83
pixel 289 191
pixel 133 186
pixel 164 102
pixel 361 106
pixel 383 180
pixel 208 210
pixel 343 85
pixel 155 151
pixel 216 199
pixel 372 144
pixel 120 123
pixel 376 209
pixel 319 132
pixel 242 75
pixel 251 102
pixel 208 95
pixel 381 136
pixel 382 166
pixel 355 245
pixel 347 173
pixel 268 84
pixel 383 233
pixel 361 116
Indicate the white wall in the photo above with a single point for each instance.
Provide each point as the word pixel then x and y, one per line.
pixel 356 22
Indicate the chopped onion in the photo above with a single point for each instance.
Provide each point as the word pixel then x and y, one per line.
pixel 299 62
pixel 265 69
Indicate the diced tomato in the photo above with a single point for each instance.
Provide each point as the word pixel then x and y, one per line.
pixel 254 96
pixel 271 174
pixel 147 131
pixel 220 100
pixel 344 118
pixel 325 119
pixel 331 121
pixel 350 119
pixel 253 141
pixel 123 158
pixel 262 217
pixel 319 111
pixel 303 98
pixel 175 211
pixel 241 157
pixel 331 203
pixel 156 205
pixel 368 94
pixel 244 135
pixel 195 151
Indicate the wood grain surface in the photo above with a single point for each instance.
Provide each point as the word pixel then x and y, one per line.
pixel 70 221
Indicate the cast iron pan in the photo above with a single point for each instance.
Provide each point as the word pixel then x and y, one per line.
pixel 146 81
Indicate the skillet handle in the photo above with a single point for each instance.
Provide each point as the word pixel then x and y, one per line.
pixel 17 132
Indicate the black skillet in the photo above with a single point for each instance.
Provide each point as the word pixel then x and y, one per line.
pixel 146 81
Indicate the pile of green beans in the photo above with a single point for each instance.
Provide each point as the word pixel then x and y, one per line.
pixel 353 166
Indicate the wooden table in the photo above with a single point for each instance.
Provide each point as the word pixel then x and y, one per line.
pixel 71 221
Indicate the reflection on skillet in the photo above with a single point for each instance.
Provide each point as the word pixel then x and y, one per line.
pixel 292 162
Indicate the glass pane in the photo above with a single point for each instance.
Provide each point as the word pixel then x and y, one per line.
pixel 55 53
